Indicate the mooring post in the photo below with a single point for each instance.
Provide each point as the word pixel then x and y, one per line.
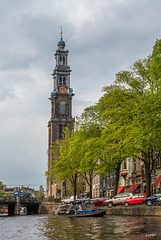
pixel 39 208
pixel 17 206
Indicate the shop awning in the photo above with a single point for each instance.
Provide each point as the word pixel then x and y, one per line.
pixel 157 181
pixel 133 187
pixel 120 189
pixel 124 174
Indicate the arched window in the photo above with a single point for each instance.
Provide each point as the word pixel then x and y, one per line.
pixel 60 80
pixel 64 81
pixel 63 60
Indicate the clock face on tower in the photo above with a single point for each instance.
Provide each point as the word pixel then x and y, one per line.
pixel 62 89
pixel 62 108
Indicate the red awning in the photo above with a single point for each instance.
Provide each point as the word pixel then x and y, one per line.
pixel 120 189
pixel 133 187
pixel 124 174
pixel 157 181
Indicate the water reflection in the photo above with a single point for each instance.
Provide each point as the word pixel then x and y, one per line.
pixel 50 227
pixel 108 227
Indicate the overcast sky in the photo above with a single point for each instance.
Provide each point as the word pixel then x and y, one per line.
pixel 103 37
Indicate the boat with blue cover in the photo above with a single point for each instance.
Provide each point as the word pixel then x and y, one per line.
pixel 86 210
pixel 82 210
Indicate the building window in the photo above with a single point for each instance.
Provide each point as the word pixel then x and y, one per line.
pixel 129 165
pixel 124 165
pixel 159 162
pixel 63 60
pixel 60 81
pixel 138 164
pixel 64 81
pixel 134 164
pixel 60 131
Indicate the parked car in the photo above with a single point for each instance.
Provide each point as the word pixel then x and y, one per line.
pixel 67 200
pixel 80 201
pixel 118 199
pixel 152 199
pixel 99 201
pixel 136 199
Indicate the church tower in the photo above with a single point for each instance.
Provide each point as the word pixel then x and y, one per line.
pixel 61 107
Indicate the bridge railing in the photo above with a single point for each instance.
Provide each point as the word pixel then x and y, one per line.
pixel 7 199
pixel 13 199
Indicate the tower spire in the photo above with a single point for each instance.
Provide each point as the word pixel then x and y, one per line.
pixel 61 43
pixel 61 37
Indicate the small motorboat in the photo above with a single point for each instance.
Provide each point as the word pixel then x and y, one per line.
pixel 23 211
pixel 62 209
pixel 97 213
pixel 87 210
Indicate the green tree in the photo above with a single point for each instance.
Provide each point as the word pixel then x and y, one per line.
pixel 40 193
pixel 116 124
pixel 89 151
pixel 131 116
pixel 64 164
pixel 2 186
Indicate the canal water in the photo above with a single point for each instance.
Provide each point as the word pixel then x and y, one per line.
pixel 50 227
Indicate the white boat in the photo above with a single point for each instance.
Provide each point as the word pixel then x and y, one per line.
pixel 23 211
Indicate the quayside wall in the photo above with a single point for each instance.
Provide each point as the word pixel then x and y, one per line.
pixel 47 207
pixel 137 210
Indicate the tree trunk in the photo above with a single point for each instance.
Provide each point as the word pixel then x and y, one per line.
pixel 90 192
pixel 117 177
pixel 75 186
pixel 148 176
pixel 65 187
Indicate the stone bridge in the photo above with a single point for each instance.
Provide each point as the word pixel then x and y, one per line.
pixel 14 205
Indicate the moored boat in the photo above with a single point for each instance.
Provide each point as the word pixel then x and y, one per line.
pixel 86 210
pixel 82 210
pixel 62 209
pixel 23 211
pixel 94 213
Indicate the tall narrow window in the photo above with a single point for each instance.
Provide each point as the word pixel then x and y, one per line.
pixel 64 81
pixel 124 165
pixel 60 131
pixel 63 60
pixel 60 80
pixel 138 164
pixel 134 162
pixel 159 161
